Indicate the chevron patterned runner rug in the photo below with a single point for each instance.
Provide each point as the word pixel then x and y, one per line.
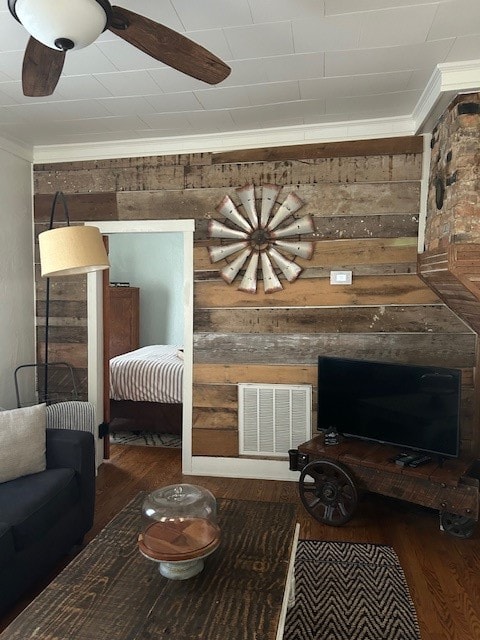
pixel 350 591
pixel 146 439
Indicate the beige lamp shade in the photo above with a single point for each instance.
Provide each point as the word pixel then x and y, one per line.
pixel 69 251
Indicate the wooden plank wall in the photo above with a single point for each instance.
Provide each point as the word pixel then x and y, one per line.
pixel 364 198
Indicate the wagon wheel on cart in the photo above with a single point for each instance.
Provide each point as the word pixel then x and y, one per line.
pixel 456 525
pixel 328 492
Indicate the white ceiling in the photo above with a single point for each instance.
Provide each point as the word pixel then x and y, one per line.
pixel 294 63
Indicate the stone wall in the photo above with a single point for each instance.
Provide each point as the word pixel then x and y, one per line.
pixel 453 213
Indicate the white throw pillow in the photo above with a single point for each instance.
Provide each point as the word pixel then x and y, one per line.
pixel 22 442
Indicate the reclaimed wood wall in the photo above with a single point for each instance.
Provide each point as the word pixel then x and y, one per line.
pixel 364 197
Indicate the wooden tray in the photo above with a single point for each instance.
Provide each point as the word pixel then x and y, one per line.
pixel 179 540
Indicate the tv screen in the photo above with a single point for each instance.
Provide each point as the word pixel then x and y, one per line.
pixel 409 406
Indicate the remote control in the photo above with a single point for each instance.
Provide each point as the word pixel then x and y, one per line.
pixel 405 460
pixel 399 456
pixel 419 461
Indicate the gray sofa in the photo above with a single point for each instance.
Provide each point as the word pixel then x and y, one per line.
pixel 43 515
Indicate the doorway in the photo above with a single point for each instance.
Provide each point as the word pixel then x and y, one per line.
pixel 95 322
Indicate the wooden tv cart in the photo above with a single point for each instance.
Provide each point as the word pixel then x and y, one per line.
pixel 441 485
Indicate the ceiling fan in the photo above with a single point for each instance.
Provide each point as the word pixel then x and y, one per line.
pixel 58 26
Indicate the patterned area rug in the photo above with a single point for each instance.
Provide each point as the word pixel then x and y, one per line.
pixel 350 591
pixel 146 439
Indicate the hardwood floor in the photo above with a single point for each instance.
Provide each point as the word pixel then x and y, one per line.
pixel 443 572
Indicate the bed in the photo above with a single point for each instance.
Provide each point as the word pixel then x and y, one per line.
pixel 146 390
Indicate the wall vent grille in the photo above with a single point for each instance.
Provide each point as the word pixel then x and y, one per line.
pixel 273 418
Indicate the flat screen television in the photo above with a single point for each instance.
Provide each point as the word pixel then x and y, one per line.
pixel 409 406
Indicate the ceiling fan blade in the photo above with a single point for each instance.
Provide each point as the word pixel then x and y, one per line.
pixel 41 70
pixel 168 46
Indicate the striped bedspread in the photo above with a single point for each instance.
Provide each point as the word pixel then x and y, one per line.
pixel 150 374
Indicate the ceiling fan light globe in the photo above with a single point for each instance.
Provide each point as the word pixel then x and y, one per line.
pixel 80 21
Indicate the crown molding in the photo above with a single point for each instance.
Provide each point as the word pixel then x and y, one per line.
pixel 447 80
pixel 25 152
pixel 281 136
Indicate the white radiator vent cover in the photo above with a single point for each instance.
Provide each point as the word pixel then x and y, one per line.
pixel 273 418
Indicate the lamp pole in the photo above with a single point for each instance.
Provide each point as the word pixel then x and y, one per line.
pixel 67 251
pixel 58 196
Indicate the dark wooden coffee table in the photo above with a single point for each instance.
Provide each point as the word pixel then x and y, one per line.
pixel 111 591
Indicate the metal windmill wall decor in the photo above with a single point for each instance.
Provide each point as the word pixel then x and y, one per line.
pixel 260 239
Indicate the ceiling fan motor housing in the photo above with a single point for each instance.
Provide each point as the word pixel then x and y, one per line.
pixel 63 24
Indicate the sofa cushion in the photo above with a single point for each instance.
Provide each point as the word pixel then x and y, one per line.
pixel 22 442
pixel 31 503
pixel 7 550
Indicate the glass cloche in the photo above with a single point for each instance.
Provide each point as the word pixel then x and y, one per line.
pixel 179 529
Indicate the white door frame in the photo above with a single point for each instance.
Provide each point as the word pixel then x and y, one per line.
pixel 95 323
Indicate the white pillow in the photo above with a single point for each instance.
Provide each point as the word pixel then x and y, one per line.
pixel 22 442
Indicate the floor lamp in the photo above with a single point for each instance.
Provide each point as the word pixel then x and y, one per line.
pixel 66 251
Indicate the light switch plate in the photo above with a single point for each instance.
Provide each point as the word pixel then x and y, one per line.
pixel 340 277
